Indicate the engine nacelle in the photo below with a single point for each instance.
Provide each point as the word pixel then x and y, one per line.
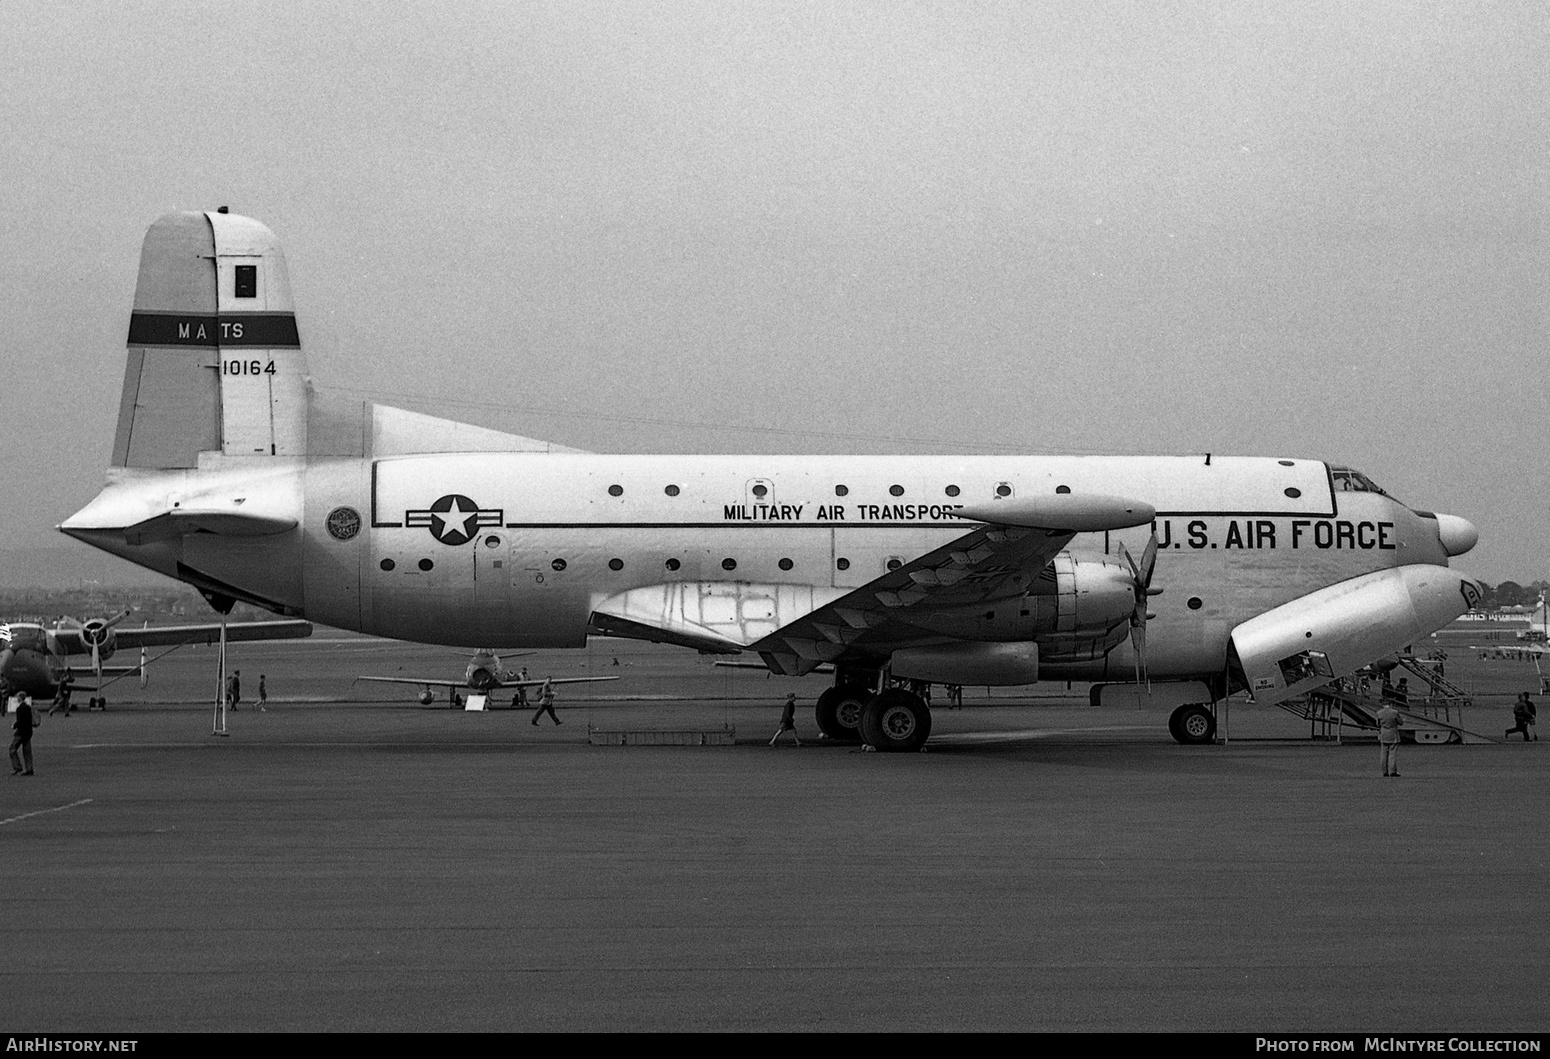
pixel 99 634
pixel 1335 631
pixel 983 664
pixel 1090 597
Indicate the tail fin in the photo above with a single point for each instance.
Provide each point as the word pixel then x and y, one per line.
pixel 215 362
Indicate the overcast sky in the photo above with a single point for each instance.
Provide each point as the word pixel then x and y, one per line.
pixel 1312 228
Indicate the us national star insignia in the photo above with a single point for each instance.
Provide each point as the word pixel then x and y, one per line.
pixel 454 519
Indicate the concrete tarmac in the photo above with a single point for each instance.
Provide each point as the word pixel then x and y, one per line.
pixel 372 865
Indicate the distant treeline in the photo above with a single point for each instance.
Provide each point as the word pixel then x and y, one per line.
pixel 1512 594
pixel 160 604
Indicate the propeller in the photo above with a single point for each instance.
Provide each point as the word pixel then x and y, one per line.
pixel 97 634
pixel 1141 579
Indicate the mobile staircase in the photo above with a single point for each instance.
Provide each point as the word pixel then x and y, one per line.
pixel 1432 710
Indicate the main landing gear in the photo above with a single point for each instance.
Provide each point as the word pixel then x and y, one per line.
pixel 1192 724
pixel 893 719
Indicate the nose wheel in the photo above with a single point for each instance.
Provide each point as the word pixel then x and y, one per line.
pixel 1192 724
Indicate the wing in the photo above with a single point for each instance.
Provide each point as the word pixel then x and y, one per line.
pixel 459 682
pixel 553 680
pixel 71 641
pixel 947 586
pixel 422 682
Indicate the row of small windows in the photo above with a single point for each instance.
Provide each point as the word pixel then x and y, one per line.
pixel 671 565
pixel 761 490
pixel 1002 490
pixel 674 565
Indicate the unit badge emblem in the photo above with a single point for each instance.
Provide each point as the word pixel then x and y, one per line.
pixel 454 519
pixel 343 523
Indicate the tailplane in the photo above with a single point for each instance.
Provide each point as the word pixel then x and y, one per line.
pixel 215 361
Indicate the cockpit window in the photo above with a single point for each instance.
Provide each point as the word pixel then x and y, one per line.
pixel 1350 480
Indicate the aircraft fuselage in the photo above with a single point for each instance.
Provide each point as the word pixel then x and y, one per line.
pixel 505 550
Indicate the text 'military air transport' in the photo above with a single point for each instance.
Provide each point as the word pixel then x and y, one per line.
pixel 1200 574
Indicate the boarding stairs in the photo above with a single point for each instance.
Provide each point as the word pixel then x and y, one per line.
pixel 1433 710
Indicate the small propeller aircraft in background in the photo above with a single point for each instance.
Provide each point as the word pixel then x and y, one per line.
pixel 484 675
pixel 36 659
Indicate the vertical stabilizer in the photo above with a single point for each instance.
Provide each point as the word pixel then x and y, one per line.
pixel 215 361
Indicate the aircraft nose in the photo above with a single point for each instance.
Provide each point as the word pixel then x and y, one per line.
pixel 1458 535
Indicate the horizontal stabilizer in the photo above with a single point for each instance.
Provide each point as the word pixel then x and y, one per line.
pixel 1069 512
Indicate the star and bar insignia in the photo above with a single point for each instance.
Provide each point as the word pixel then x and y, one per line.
pixel 454 519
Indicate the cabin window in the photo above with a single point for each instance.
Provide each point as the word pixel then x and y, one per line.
pixel 1062 490
pixel 387 564
pixel 1293 492
pixel 671 490
pixel 1193 603
pixel 1003 490
pixel 672 565
pixel 616 490
pixel 785 564
pixel 951 490
pixel 761 490
pixel 842 563
pixel 896 490
pixel 841 490
pixel 729 564
pixel 616 565
pixel 894 562
pixel 427 565
pixel 557 565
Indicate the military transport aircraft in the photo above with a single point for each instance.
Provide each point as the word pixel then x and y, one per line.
pixel 483 675
pixel 36 659
pixel 1215 574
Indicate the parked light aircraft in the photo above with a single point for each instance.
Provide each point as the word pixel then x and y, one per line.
pixel 36 659
pixel 483 675
pixel 1210 573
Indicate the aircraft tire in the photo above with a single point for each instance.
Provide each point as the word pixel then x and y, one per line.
pixel 838 712
pixel 896 721
pixel 1192 724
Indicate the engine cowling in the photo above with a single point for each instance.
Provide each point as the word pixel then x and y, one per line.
pixel 1086 611
pixel 99 637
pixel 1335 631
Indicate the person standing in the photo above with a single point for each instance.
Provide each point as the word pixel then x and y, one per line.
pixel 263 695
pixel 788 721
pixel 1388 738
pixel 1523 715
pixel 546 702
pixel 26 720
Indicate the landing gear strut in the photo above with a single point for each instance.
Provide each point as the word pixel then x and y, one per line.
pixel 1192 724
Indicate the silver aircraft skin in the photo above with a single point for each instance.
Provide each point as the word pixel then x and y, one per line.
pixel 1218 573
